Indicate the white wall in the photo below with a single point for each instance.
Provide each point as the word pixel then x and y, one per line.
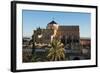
pixel 5 37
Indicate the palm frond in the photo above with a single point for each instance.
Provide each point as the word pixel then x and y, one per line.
pixel 56 52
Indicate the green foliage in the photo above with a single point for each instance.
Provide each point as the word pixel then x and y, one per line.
pixel 34 58
pixel 56 52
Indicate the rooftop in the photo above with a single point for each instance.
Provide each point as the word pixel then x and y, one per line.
pixel 68 27
pixel 53 22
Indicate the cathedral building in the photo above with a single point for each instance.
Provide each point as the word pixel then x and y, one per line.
pixel 68 34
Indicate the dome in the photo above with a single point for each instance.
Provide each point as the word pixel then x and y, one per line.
pixel 52 22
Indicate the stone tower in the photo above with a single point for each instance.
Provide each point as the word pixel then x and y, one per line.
pixel 54 26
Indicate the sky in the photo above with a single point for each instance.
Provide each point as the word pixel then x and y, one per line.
pixel 32 19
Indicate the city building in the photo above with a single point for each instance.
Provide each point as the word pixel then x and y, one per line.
pixel 69 35
pixel 85 42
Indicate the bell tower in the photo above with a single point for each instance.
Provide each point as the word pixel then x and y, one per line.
pixel 52 25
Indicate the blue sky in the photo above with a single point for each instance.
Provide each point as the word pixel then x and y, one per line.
pixel 33 19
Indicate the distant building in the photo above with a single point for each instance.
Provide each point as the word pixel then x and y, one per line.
pixel 85 42
pixel 26 41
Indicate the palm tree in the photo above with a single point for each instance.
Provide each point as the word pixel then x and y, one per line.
pixel 56 52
